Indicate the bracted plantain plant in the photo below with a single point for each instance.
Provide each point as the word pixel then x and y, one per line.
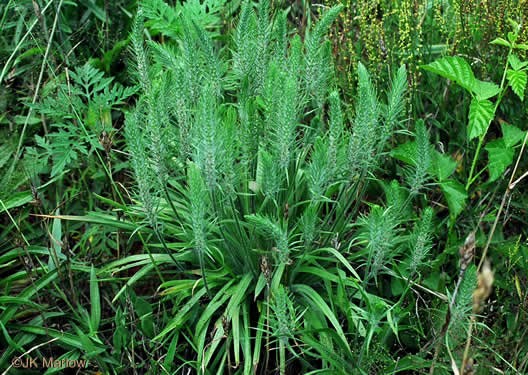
pixel 253 182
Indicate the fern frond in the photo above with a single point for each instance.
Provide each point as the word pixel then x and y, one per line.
pixel 285 316
pixel 163 17
pixel 157 142
pixel 213 67
pixel 318 57
pixel 284 130
pixel 280 34
pixel 462 308
pixel 395 197
pixel 262 44
pixel 199 205
pixel 328 18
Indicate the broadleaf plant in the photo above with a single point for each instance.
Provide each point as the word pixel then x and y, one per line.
pixel 482 110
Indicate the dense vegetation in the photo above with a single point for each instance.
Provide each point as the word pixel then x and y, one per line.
pixel 267 187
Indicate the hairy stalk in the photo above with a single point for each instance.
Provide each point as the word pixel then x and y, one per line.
pixel 282 358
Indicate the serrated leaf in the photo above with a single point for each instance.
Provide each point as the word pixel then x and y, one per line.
pixel 455 195
pixel 405 152
pixel 516 63
pixel 517 81
pixel 485 90
pixel 501 42
pixel 443 165
pixel 454 68
pixel 481 112
pixel 511 134
pixel 500 157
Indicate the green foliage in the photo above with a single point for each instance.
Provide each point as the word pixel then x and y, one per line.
pixel 268 188
pixel 80 111
pixel 481 110
pixel 243 214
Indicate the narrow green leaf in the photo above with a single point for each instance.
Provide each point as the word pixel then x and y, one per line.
pixel 501 42
pixel 96 10
pixel 100 218
pixel 319 303
pixel 238 293
pixel 28 292
pixel 179 319
pixel 67 338
pixel 235 327
pixel 56 243
pixel 261 327
pixel 261 283
pixel 95 301
pixel 246 339
pixel 138 275
pixel 16 200
pixel 4 300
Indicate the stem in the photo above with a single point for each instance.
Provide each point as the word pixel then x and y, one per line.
pixel 268 325
pixel 282 358
pixel 481 140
